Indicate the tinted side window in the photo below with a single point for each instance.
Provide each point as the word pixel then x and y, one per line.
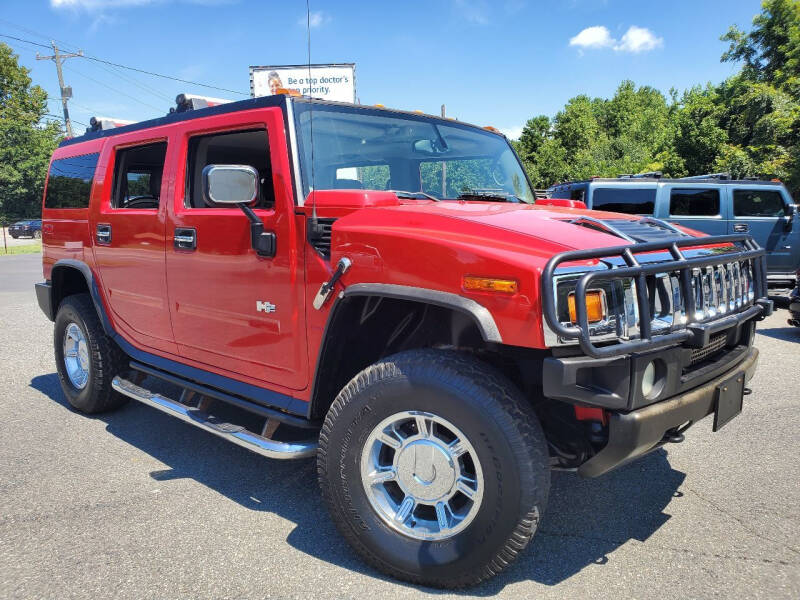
pixel 235 148
pixel 137 176
pixel 694 203
pixel 70 181
pixel 758 203
pixel 625 200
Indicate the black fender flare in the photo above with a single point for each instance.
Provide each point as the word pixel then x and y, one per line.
pixel 91 284
pixel 480 315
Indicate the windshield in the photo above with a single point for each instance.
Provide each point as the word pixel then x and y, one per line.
pixel 363 148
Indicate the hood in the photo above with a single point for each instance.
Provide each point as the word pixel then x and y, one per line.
pixel 541 230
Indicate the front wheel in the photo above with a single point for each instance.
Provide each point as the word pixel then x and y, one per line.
pixel 434 468
pixel 86 358
pixel 37 235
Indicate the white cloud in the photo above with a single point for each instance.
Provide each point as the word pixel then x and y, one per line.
pixel 315 19
pixel 513 132
pixel 638 39
pixel 474 11
pixel 597 36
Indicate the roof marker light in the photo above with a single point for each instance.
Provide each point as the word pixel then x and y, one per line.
pixel 187 102
pixel 104 123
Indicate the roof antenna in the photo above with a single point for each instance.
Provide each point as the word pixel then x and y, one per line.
pixel 314 220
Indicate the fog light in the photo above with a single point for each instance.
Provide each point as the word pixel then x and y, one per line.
pixel 649 379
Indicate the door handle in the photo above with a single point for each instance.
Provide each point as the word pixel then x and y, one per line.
pixel 741 227
pixel 104 234
pixel 185 238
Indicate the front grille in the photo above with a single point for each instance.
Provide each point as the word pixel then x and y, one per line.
pixel 715 345
pixel 661 295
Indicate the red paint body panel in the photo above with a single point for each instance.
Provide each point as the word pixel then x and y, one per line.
pixel 214 289
pixel 132 267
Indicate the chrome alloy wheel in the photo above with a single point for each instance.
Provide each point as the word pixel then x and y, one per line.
pixel 76 356
pixel 421 475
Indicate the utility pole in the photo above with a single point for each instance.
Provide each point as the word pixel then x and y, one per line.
pixel 66 92
pixel 444 167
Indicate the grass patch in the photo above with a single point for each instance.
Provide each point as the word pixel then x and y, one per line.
pixel 33 248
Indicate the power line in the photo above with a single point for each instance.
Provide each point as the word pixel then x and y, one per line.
pixel 144 71
pixel 115 90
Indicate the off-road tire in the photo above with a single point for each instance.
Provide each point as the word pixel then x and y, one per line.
pixel 500 425
pixel 106 359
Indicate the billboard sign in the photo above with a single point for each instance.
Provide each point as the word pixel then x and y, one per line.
pixel 329 82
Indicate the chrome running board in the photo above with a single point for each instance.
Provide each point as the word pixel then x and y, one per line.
pixel 233 433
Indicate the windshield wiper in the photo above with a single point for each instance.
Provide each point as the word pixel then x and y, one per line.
pixel 490 196
pixel 413 195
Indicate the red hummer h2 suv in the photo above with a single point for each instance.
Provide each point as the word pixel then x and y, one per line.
pixel 378 289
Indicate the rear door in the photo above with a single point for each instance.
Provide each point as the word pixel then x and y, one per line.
pixel 765 212
pixel 232 310
pixel 699 207
pixel 127 227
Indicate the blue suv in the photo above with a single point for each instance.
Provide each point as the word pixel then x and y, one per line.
pixel 714 204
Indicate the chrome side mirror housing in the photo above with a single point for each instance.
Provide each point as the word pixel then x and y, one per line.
pixel 230 184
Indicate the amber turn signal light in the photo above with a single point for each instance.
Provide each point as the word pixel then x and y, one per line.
pixel 595 306
pixel 490 284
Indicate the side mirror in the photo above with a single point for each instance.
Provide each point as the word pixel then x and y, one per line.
pixel 230 184
pixel 238 184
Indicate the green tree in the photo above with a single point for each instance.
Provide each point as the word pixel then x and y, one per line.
pixel 770 52
pixel 26 143
pixel 699 136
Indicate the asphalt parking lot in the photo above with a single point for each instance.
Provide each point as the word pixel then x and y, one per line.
pixel 134 504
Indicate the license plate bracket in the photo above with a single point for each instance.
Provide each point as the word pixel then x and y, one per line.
pixel 728 400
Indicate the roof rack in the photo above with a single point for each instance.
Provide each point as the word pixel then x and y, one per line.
pixel 103 123
pixel 719 176
pixel 647 175
pixel 186 102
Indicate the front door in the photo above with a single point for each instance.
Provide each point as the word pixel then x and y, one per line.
pixel 765 214
pixel 232 310
pixel 128 229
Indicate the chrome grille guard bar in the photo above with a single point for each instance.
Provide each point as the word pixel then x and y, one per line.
pixel 696 332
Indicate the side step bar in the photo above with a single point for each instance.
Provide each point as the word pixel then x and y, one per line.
pixel 233 433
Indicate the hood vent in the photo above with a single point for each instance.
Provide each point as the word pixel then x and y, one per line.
pixel 319 235
pixel 646 229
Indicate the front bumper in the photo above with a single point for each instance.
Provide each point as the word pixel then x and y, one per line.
pixel 638 432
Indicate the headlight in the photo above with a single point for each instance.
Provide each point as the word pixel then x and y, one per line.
pixel 596 306
pixel 610 306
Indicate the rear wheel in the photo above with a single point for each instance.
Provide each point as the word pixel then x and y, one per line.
pixel 86 359
pixel 434 468
pixel 37 235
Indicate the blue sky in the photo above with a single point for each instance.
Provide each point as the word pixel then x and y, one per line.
pixel 491 62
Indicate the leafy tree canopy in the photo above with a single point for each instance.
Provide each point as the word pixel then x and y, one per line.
pixel 25 142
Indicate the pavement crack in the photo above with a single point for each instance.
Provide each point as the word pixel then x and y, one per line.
pixel 742 522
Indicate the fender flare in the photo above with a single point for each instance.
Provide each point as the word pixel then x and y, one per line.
pixel 479 314
pixel 91 284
